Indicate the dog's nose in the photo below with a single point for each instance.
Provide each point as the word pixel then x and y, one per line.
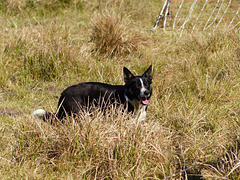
pixel 146 93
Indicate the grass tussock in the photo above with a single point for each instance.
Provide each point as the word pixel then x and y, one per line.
pixel 39 53
pixel 192 125
pixel 109 146
pixel 111 36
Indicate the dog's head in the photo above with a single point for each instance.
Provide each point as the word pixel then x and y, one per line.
pixel 138 88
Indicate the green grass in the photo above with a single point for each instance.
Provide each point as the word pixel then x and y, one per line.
pixel 193 117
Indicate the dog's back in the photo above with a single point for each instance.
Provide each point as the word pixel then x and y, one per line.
pixel 85 95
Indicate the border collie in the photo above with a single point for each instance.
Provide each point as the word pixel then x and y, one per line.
pixel 134 96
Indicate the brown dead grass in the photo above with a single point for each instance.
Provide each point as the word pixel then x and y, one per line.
pixel 112 36
pixel 192 125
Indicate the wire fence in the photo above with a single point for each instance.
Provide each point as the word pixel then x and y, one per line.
pixel 199 15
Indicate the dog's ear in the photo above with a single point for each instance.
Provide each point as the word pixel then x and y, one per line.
pixel 148 73
pixel 127 75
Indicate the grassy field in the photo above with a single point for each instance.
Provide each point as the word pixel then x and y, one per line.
pixel 192 127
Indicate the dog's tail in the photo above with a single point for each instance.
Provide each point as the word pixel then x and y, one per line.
pixel 42 114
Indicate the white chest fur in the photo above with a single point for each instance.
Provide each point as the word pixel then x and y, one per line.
pixel 141 113
pixel 140 110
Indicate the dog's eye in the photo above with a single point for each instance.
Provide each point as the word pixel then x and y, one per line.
pixel 138 85
pixel 146 83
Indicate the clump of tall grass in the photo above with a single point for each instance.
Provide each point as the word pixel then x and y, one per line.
pixel 40 55
pixel 102 146
pixel 112 35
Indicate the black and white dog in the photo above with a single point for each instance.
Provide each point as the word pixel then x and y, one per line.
pixel 134 96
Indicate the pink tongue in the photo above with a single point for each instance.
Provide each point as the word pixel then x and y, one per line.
pixel 145 102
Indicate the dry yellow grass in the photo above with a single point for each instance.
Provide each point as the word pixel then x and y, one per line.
pixel 112 36
pixel 192 124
